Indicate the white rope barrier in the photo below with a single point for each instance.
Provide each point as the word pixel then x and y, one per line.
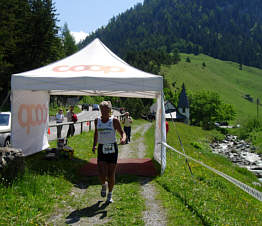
pixel 253 192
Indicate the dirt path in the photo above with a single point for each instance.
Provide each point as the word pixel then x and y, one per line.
pixel 96 214
pixel 136 148
pixel 154 214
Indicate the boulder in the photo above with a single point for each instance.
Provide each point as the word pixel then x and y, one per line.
pixel 11 164
pixel 241 153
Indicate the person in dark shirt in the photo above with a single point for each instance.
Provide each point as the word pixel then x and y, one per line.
pixel 69 115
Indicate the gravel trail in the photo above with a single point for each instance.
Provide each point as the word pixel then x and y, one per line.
pixel 96 213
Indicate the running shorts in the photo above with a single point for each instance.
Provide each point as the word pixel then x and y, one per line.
pixel 107 156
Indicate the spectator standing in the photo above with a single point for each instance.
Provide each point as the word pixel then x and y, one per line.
pixel 127 121
pixel 59 119
pixel 69 115
pixel 167 127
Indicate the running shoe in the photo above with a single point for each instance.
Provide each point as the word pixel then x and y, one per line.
pixel 109 198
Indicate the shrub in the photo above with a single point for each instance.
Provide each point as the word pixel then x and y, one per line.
pixel 206 108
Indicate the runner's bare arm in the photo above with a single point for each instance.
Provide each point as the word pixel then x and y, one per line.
pixel 95 137
pixel 119 129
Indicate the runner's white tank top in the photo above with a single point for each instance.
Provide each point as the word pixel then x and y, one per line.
pixel 106 132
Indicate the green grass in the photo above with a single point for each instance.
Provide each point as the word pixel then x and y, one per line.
pixel 50 187
pixel 223 77
pixel 204 198
pixel 47 186
pixel 129 204
pixel 31 198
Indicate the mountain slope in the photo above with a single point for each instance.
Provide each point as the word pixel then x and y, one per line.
pixel 225 29
pixel 223 77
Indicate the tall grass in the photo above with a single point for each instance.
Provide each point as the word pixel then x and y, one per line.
pixel 30 198
pixel 34 195
pixel 204 198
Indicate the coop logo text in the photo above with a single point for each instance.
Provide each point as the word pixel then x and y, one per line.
pixel 94 68
pixel 31 115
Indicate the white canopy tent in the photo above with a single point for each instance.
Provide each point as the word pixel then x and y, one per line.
pixel 93 71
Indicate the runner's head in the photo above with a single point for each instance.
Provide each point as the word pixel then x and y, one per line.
pixel 105 108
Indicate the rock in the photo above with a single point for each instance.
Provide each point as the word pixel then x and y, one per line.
pixel 256 184
pixel 241 153
pixel 256 168
pixel 11 164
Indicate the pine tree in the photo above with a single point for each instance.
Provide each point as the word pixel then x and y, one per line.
pixel 68 41
pixel 28 38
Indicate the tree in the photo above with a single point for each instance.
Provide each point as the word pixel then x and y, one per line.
pixel 188 60
pixel 28 38
pixel 69 43
pixel 134 106
pixel 42 44
pixel 171 96
pixel 240 66
pixel 206 108
pixel 221 29
pixel 151 60
pixel 10 29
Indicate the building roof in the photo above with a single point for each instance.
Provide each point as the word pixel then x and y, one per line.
pixel 183 101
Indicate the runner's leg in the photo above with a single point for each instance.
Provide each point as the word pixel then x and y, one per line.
pixel 68 132
pixel 103 171
pixel 126 132
pixel 111 181
pixel 111 176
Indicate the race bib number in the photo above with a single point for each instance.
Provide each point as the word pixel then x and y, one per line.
pixel 108 148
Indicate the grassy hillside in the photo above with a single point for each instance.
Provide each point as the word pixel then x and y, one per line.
pixel 203 198
pixel 223 77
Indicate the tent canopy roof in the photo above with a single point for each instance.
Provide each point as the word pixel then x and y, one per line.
pixel 94 70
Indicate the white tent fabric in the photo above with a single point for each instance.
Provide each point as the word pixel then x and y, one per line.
pixel 93 71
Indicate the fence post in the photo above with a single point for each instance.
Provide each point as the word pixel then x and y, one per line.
pixel 81 127
pixel 90 125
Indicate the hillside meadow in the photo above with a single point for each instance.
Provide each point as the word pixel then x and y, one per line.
pixel 203 198
pixel 223 77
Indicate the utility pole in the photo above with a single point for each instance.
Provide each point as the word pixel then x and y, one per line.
pixel 257 107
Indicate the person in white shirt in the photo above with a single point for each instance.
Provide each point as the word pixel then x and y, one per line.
pixel 59 119
pixel 127 121
pixel 107 153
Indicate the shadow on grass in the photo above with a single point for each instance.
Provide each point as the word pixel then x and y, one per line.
pixel 70 169
pixel 91 211
pixel 99 208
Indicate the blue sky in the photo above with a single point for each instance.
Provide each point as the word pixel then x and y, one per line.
pixel 85 16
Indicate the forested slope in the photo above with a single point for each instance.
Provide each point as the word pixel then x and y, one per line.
pixel 225 29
